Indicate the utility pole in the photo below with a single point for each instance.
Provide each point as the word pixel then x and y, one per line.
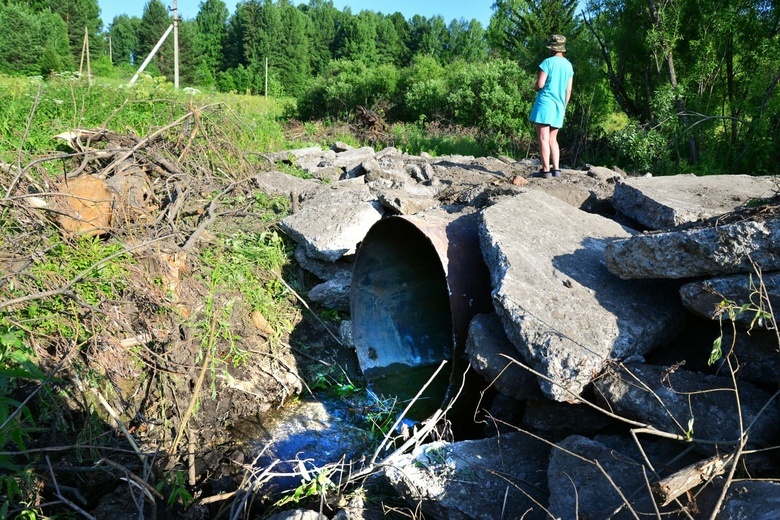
pixel 151 55
pixel 175 45
pixel 85 54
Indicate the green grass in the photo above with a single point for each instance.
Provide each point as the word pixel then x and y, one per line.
pixel 33 111
pixel 413 139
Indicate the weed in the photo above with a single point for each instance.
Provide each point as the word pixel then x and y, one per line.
pixel 437 140
pixel 16 420
pixel 177 489
pixel 311 487
pixel 290 168
pixel 99 270
pixel 755 309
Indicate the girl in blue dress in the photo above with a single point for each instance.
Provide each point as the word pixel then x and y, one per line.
pixel 553 87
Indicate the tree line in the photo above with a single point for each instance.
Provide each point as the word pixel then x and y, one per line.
pixel 669 85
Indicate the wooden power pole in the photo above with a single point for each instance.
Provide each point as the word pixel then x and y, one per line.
pixel 85 54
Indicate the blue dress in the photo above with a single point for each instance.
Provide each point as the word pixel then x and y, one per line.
pixel 550 104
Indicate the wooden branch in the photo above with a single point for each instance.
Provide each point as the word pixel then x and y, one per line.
pixel 212 215
pixel 195 393
pixel 674 485
pixel 149 489
pixel 58 493
pixel 78 277
pixel 119 424
pixel 639 426
pixel 143 142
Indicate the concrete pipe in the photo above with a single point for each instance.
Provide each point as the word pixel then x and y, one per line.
pixel 417 282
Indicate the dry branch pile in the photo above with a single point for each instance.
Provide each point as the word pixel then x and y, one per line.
pixel 156 363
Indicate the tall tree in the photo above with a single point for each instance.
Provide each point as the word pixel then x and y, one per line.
pixel 699 69
pixel 324 19
pixel 193 69
pixel 211 22
pixel 403 29
pixel 55 55
pixel 78 15
pixel 520 28
pixel 262 27
pixel 466 41
pixel 35 36
pixel 389 46
pixel 428 36
pixel 155 20
pixel 356 38
pixel 293 63
pixel 124 39
pixel 664 19
pixel 234 53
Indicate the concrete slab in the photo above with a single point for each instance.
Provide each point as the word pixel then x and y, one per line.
pixel 333 222
pixel 559 305
pixel 665 202
pixel 731 248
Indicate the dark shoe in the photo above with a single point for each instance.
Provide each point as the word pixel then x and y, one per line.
pixel 541 174
pixel 556 173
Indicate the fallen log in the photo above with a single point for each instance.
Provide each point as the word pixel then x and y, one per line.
pixel 674 485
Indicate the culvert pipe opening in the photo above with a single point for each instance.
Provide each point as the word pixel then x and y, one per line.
pixel 417 282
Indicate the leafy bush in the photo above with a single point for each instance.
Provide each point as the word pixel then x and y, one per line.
pixel 344 86
pixel 490 97
pixel 640 146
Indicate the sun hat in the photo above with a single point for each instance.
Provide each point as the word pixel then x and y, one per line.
pixel 557 43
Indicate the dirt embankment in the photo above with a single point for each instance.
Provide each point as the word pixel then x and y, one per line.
pixel 157 335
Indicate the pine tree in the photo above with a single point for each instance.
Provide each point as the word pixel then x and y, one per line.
pixel 293 63
pixel 519 29
pixel 211 23
pixel 403 30
pixel 389 45
pixel 356 39
pixel 466 41
pixel 323 21
pixel 77 15
pixel 124 40
pixel 154 22
pixel 38 43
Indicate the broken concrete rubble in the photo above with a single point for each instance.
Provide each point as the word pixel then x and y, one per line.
pixel 579 488
pixel 490 354
pixel 556 419
pixel 557 298
pixel 748 298
pixel 334 292
pixel 281 184
pixel 661 203
pixel 684 403
pixel 499 477
pixel 564 312
pixel 738 247
pixel 333 221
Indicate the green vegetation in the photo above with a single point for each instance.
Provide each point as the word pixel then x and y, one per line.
pixel 67 303
pixel 684 86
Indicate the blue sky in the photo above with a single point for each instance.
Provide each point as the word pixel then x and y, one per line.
pixel 449 9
